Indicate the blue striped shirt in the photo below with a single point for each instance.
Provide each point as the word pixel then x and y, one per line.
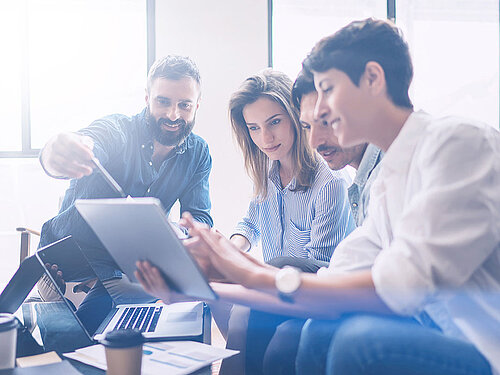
pixel 303 224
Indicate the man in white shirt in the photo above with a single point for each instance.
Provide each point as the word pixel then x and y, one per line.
pixel 429 249
pixel 431 238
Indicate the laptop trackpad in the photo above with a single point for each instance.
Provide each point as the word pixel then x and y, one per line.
pixel 190 316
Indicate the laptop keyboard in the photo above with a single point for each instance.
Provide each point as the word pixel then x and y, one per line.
pixel 144 319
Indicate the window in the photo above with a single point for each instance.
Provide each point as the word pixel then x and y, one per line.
pixel 299 24
pixel 69 62
pixel 454 46
pixel 455 51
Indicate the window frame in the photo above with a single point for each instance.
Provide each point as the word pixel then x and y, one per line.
pixel 26 150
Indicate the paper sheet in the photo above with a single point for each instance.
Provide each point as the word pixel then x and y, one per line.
pixel 168 357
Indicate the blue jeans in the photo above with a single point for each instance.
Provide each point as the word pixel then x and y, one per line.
pixel 371 344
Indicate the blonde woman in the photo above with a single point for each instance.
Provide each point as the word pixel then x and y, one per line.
pixel 300 210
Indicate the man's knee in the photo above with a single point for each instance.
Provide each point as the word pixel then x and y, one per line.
pixel 282 350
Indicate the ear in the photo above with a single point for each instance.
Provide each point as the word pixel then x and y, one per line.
pixel 198 102
pixel 146 97
pixel 374 77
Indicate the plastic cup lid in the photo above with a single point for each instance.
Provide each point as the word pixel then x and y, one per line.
pixel 7 322
pixel 123 338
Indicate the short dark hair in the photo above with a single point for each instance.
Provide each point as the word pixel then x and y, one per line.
pixel 173 67
pixel 353 46
pixel 303 85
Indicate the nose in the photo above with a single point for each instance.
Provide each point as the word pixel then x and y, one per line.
pixel 172 113
pixel 321 110
pixel 315 135
pixel 267 136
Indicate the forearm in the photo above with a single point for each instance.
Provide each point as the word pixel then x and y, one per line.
pixel 317 297
pixel 241 242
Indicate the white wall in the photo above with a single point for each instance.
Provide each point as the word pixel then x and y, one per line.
pixel 228 41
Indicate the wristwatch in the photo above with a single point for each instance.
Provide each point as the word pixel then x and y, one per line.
pixel 287 281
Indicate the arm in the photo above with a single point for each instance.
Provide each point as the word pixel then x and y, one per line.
pixel 317 296
pixel 320 298
pixel 196 198
pixel 247 231
pixel 241 242
pixel 450 225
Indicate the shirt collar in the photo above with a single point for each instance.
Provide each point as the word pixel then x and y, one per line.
pixel 401 150
pixel 274 176
pixel 369 161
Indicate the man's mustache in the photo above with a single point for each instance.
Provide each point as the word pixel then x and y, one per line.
pixel 180 121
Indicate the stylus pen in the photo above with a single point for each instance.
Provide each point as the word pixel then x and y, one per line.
pixel 109 179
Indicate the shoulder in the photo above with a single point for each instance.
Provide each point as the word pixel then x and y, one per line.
pixel 327 181
pixel 459 136
pixel 197 143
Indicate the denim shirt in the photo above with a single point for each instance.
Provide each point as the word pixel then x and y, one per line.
pixel 124 146
pixel 359 191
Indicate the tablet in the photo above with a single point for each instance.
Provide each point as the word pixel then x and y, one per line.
pixel 138 229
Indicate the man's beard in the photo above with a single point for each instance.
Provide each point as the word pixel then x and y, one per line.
pixel 166 137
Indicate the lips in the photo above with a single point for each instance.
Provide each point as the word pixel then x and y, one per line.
pixel 329 153
pixel 170 127
pixel 174 126
pixel 272 149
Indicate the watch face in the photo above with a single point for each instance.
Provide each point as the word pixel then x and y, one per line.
pixel 288 280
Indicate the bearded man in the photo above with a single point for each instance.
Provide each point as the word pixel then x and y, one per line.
pixel 151 154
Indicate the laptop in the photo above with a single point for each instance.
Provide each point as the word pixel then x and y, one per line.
pixel 138 229
pixel 157 321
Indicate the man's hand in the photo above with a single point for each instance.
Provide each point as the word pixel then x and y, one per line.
pixel 226 258
pixel 152 281
pixel 68 155
pixel 196 247
pixel 57 275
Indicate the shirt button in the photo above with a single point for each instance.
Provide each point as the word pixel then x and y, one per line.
pixel 151 163
pixel 149 190
pixel 142 146
pixel 355 205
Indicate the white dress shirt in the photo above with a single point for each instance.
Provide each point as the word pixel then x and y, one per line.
pixel 432 234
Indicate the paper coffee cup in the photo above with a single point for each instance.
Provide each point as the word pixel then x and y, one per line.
pixel 123 352
pixel 8 338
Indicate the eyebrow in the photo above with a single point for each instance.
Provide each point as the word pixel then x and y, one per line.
pixel 269 119
pixel 182 100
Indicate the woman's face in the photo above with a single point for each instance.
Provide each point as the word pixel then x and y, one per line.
pixel 270 128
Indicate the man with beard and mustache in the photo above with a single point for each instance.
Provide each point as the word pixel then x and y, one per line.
pixel 151 154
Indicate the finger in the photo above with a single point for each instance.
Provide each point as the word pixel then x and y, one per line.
pixel 142 281
pixel 148 274
pixel 139 274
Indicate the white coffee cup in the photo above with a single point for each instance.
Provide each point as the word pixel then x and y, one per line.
pixel 8 338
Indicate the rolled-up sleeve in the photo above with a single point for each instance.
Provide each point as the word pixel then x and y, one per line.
pixel 248 227
pixel 448 226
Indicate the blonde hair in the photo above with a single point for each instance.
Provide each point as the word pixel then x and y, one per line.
pixel 275 86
